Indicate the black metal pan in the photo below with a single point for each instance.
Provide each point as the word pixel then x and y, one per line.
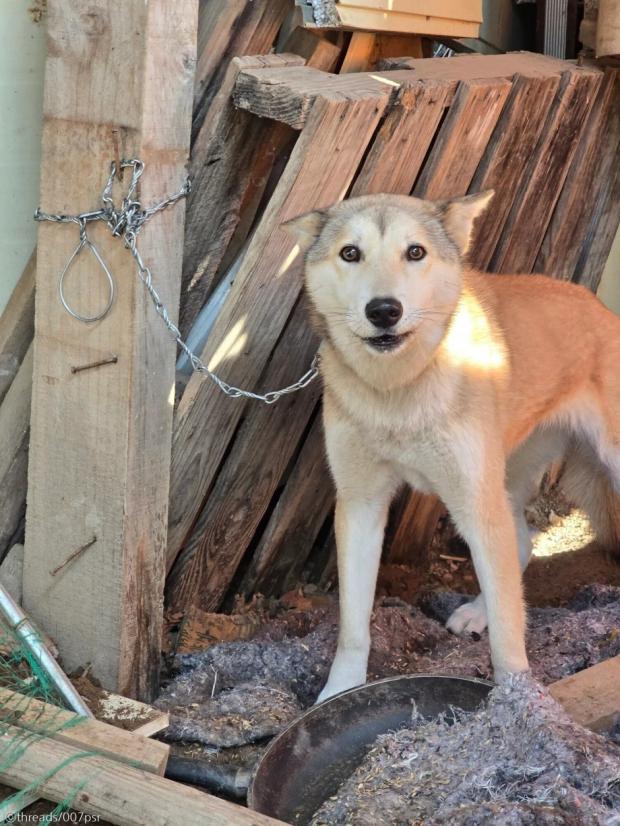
pixel 309 760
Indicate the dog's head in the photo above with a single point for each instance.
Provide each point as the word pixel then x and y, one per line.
pixel 384 271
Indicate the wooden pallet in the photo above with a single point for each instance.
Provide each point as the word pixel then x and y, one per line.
pixel 250 492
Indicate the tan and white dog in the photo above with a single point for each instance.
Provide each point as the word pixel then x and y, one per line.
pixel 458 383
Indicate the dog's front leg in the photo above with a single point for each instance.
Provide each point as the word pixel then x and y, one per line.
pixel 364 488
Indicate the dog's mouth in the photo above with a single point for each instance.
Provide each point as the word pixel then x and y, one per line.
pixel 386 341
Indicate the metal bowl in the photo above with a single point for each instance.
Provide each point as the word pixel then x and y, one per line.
pixel 309 760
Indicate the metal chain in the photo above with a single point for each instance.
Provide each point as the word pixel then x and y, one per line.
pixel 127 222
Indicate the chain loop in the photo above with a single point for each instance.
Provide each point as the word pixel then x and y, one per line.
pixel 126 222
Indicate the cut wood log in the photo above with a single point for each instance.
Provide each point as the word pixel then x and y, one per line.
pixel 67 727
pixel 563 244
pixel 202 629
pixel 462 139
pixel 113 791
pixel 319 172
pixel 14 438
pixel 592 696
pixel 17 326
pixel 529 218
pixel 100 438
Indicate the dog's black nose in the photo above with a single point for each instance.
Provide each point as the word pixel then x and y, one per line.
pixel 384 312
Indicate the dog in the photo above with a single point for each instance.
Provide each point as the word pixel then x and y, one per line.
pixel 458 383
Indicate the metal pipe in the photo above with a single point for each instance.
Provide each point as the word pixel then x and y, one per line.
pixel 25 630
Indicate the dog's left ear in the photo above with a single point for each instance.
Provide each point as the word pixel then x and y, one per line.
pixel 459 214
pixel 306 228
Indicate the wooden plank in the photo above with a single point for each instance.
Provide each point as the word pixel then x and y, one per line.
pixel 563 243
pixel 359 55
pixel 391 46
pixel 294 525
pixel 453 9
pixel 14 438
pixel 507 154
pixel 317 51
pixel 592 696
pixel 115 792
pixel 357 17
pixel 405 137
pixel 100 438
pixel 67 727
pixel 17 326
pixel 288 94
pixel 259 456
pixel 525 226
pixel 416 525
pixel 462 139
pixel 225 164
pixel 134 716
pixel 227 29
pixel 319 172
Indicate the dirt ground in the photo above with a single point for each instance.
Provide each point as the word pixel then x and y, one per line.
pixel 566 557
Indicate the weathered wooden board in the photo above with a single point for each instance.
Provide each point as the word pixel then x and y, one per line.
pixel 17 326
pixel 100 438
pixel 115 792
pixel 226 163
pixel 462 139
pixel 67 727
pixel 227 29
pixel 319 172
pixel 563 243
pixel 287 95
pixel 14 438
pixel 259 455
pixel 527 222
pixel 592 696
pixel 507 154
pixel 295 523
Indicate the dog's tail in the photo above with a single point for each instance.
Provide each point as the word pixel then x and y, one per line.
pixel 587 484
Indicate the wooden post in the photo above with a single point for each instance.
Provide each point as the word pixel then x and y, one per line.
pixel 119 82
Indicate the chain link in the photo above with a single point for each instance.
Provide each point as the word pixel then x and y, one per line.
pixel 126 222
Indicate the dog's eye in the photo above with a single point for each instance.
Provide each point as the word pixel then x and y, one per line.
pixel 350 253
pixel 415 252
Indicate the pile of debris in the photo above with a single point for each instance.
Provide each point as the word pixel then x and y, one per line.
pixel 519 759
pixel 242 692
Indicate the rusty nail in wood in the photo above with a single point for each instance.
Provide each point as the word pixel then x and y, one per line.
pixel 100 363
pixel 73 555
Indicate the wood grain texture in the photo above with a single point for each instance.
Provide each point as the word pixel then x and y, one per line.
pixel 294 525
pixel 369 19
pixel 288 94
pixel 318 173
pixel 462 139
pixel 100 439
pixel 227 29
pixel 508 152
pixel 245 484
pixel 526 225
pixel 564 241
pixel 416 524
pixel 232 153
pixel 17 326
pixel 115 792
pixel 359 56
pixel 14 440
pixel 592 696
pixel 66 727
pixel 404 138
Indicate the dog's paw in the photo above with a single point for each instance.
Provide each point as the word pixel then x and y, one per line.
pixel 469 619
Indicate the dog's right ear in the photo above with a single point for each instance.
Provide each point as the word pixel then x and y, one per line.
pixel 306 228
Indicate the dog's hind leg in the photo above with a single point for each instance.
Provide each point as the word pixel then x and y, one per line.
pixel 524 473
pixel 587 483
